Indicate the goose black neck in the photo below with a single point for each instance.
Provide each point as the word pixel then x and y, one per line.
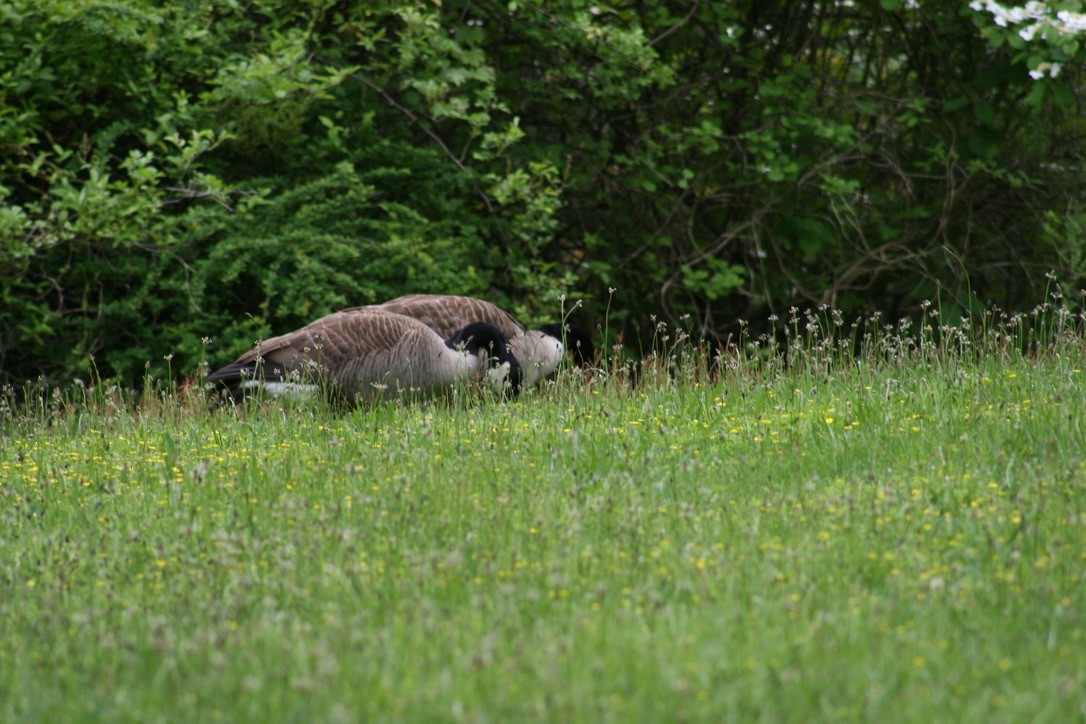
pixel 576 340
pixel 483 336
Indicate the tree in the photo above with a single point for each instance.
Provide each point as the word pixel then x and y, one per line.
pixel 174 173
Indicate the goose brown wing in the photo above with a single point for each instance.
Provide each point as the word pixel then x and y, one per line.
pixel 332 342
pixel 447 314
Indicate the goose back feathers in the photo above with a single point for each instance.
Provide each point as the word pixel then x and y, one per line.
pixel 539 351
pixel 445 313
pixel 371 354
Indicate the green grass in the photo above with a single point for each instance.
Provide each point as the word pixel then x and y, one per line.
pixel 898 537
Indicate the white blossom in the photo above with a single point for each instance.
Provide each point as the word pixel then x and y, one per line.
pixel 1033 19
pixel 1038 14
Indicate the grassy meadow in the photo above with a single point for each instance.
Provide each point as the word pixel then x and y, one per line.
pixel 889 528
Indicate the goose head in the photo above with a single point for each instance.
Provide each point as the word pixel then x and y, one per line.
pixel 574 338
pixel 481 338
pixel 540 351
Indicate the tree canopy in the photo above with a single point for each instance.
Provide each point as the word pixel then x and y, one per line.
pixel 173 172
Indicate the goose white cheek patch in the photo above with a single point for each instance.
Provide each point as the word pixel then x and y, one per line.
pixel 498 376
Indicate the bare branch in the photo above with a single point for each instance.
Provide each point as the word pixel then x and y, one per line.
pixel 414 118
pixel 676 26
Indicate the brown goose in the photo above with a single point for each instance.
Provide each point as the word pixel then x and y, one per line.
pixel 539 351
pixel 368 355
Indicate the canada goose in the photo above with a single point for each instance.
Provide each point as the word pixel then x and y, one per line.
pixel 369 355
pixel 539 351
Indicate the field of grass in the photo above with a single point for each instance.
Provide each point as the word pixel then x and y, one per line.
pixel 896 536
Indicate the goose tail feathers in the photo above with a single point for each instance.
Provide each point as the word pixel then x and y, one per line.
pixel 239 380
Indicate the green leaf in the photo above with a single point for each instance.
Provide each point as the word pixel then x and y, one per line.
pixel 1063 96
pixel 1036 95
pixel 955 104
pixel 984 112
pixel 866 106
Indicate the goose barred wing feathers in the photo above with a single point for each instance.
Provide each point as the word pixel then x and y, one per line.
pixel 445 313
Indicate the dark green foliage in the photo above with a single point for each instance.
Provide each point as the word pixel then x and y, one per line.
pixel 797 153
pixel 175 172
pixel 201 175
